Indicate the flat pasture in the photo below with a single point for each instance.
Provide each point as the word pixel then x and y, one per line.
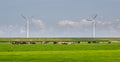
pixel 83 52
pixel 61 56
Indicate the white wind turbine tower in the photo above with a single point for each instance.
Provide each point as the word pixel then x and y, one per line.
pixel 27 25
pixel 93 25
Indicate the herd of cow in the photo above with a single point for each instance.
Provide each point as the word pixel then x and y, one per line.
pixel 42 42
pixel 54 42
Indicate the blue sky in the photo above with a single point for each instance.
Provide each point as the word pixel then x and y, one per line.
pixel 59 18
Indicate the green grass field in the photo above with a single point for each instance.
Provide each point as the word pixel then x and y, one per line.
pixel 84 52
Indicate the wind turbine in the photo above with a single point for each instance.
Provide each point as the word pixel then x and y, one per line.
pixel 27 25
pixel 93 25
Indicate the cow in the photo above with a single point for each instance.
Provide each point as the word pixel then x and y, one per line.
pixel 55 42
pixel 63 43
pixel 89 42
pixel 23 42
pixel 44 42
pixel 15 42
pixel 32 42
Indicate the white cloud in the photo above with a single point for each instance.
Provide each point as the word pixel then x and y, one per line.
pixel 76 24
pixel 66 22
pixel 102 26
pixel 22 30
pixel 110 26
pixel 11 27
pixel 115 24
pixel 38 23
pixel 8 28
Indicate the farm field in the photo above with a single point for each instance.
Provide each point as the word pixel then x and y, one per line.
pixel 83 52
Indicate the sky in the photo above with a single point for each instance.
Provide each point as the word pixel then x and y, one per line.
pixel 59 18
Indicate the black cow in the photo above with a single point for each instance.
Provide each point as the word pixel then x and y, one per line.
pixel 78 42
pixel 89 42
pixel 23 42
pixel 32 43
pixel 55 42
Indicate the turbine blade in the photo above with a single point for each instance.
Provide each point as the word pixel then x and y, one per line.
pixel 23 17
pixel 88 20
pixel 95 16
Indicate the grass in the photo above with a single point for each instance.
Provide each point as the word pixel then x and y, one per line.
pixel 51 47
pixel 61 56
pixel 83 52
